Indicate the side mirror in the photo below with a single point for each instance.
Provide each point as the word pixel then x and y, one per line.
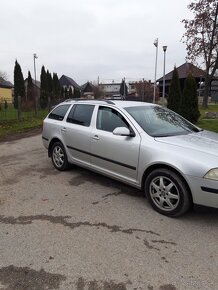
pixel 123 131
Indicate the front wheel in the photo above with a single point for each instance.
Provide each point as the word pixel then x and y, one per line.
pixel 59 156
pixel 167 192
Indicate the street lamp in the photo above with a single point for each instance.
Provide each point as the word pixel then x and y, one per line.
pixel 155 74
pixel 34 61
pixel 163 96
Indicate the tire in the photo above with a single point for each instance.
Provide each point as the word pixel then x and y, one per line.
pixel 59 156
pixel 167 192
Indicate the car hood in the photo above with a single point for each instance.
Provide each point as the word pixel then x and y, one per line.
pixel 204 141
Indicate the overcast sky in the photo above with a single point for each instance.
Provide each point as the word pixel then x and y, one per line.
pixel 84 39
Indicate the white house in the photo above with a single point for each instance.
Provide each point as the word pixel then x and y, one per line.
pixel 110 89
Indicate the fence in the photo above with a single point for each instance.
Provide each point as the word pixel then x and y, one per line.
pixel 211 115
pixel 9 113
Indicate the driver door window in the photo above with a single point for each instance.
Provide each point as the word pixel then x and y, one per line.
pixel 108 119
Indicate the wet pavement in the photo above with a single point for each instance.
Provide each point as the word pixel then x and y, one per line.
pixel 78 230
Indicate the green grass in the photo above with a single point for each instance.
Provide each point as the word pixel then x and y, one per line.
pixel 211 125
pixel 208 124
pixel 11 113
pixel 9 128
pixel 211 108
pixel 28 122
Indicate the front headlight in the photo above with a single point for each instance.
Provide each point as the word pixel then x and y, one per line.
pixel 212 174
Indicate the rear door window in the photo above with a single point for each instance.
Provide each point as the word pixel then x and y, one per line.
pixel 59 112
pixel 81 115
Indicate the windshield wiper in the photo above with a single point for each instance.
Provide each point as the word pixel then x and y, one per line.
pixel 172 134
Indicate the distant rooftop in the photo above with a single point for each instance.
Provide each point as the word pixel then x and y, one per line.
pixel 67 81
pixel 109 84
pixel 5 84
pixel 38 83
pixel 183 71
pixel 86 84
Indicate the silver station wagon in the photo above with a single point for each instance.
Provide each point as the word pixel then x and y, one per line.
pixel 144 145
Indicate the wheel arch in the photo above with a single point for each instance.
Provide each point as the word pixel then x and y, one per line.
pixel 54 140
pixel 164 166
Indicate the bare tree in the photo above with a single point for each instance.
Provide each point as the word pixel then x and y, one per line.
pixel 201 38
pixel 3 75
pixel 97 91
pixel 144 89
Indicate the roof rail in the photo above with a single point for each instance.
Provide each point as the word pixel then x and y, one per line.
pixel 67 100
pixel 84 99
pixel 109 102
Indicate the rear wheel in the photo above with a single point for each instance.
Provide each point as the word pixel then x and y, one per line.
pixel 167 192
pixel 59 157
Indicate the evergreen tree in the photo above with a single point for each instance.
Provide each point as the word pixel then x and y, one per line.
pixel 62 92
pixel 19 88
pixel 44 89
pixel 77 93
pixel 70 93
pixel 66 93
pixel 56 88
pixel 174 98
pixel 49 85
pixel 123 89
pixel 30 88
pixel 189 102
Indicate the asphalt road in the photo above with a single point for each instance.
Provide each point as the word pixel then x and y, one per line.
pixel 77 230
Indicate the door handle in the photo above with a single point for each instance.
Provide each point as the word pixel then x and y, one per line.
pixel 95 137
pixel 64 129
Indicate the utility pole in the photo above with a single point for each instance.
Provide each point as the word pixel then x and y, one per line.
pixel 155 73
pixel 163 97
pixel 34 61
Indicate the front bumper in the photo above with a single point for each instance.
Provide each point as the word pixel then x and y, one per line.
pixel 204 191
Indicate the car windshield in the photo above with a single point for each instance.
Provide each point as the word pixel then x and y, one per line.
pixel 160 122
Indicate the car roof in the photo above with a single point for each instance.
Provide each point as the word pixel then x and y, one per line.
pixel 120 103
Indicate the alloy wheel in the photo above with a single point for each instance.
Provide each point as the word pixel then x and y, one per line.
pixel 164 193
pixel 58 156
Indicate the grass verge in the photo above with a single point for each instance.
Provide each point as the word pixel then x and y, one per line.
pixel 19 126
pixel 208 124
pixel 12 127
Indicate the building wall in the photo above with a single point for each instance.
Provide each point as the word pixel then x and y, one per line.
pixel 68 87
pixel 110 88
pixel 132 88
pixel 214 90
pixel 6 95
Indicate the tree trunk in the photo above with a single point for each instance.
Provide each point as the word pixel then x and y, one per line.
pixel 206 90
pixel 19 107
